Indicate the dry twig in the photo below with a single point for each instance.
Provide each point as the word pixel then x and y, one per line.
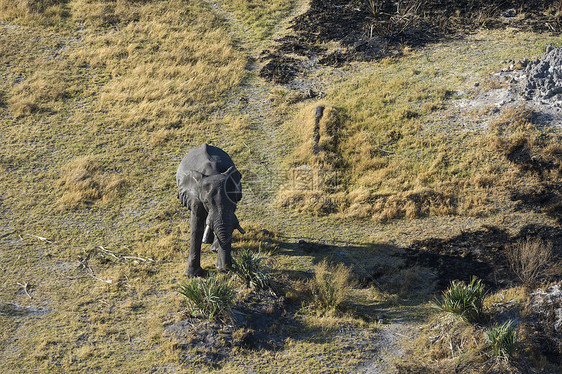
pixel 121 257
pixel 84 264
pixel 25 285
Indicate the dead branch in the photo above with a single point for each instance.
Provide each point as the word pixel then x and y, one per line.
pixel 84 264
pixel 8 234
pixel 25 285
pixel 40 238
pixel 122 257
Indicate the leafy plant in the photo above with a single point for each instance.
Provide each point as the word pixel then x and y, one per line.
pixel 249 267
pixel 211 297
pixel 331 285
pixel 503 339
pixel 464 300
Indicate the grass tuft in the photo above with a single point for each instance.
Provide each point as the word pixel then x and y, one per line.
pixel 464 300
pixel 502 339
pixel 331 286
pixel 85 183
pixel 210 298
pixel 250 268
pixel 530 260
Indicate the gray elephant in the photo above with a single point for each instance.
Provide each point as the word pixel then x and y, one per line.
pixel 210 186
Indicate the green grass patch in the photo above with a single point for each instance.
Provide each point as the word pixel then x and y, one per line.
pixel 252 271
pixel 211 297
pixel 503 339
pixel 464 300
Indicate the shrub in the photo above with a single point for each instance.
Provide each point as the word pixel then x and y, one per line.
pixel 464 300
pixel 503 339
pixel 250 269
pixel 210 298
pixel 331 285
pixel 530 259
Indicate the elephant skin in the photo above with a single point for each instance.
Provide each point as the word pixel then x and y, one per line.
pixel 210 186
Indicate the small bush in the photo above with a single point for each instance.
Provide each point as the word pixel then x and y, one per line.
pixel 212 297
pixel 503 339
pixel 331 285
pixel 464 300
pixel 249 267
pixel 530 259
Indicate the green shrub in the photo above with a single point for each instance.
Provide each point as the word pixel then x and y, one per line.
pixel 331 285
pixel 210 298
pixel 464 300
pixel 249 267
pixel 503 339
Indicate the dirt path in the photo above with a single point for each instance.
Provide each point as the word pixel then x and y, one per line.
pixel 267 147
pixel 252 100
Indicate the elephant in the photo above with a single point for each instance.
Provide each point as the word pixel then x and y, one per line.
pixel 209 185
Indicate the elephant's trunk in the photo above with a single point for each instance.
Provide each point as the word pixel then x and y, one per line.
pixel 223 230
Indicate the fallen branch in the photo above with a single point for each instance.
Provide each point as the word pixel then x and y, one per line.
pixel 40 238
pixel 8 234
pixel 84 264
pixel 25 285
pixel 122 257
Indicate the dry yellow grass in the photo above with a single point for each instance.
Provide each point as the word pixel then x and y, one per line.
pixel 85 183
pixel 100 99
pixel 397 156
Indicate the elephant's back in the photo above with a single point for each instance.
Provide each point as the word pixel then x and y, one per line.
pixel 206 159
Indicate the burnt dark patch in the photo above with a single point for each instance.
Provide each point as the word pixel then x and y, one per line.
pixel 464 256
pixel 477 254
pixel 261 321
pixel 281 69
pixel 368 31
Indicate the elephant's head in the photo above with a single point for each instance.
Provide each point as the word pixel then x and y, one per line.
pixel 219 194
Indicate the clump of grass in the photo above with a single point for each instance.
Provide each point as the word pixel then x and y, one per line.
pixel 464 300
pixel 84 183
pixel 47 12
pixel 502 339
pixel 211 298
pixel 250 268
pixel 331 286
pixel 42 92
pixel 530 259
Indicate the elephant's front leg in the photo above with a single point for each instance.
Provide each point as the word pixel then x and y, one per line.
pixel 197 227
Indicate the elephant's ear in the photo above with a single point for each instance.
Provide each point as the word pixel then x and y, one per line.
pixel 233 173
pixel 188 186
pixel 233 185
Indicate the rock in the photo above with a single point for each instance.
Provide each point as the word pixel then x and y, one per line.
pixel 543 76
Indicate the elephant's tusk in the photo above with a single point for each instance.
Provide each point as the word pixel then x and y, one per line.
pixel 207 235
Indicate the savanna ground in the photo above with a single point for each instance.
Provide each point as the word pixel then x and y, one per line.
pixel 409 179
